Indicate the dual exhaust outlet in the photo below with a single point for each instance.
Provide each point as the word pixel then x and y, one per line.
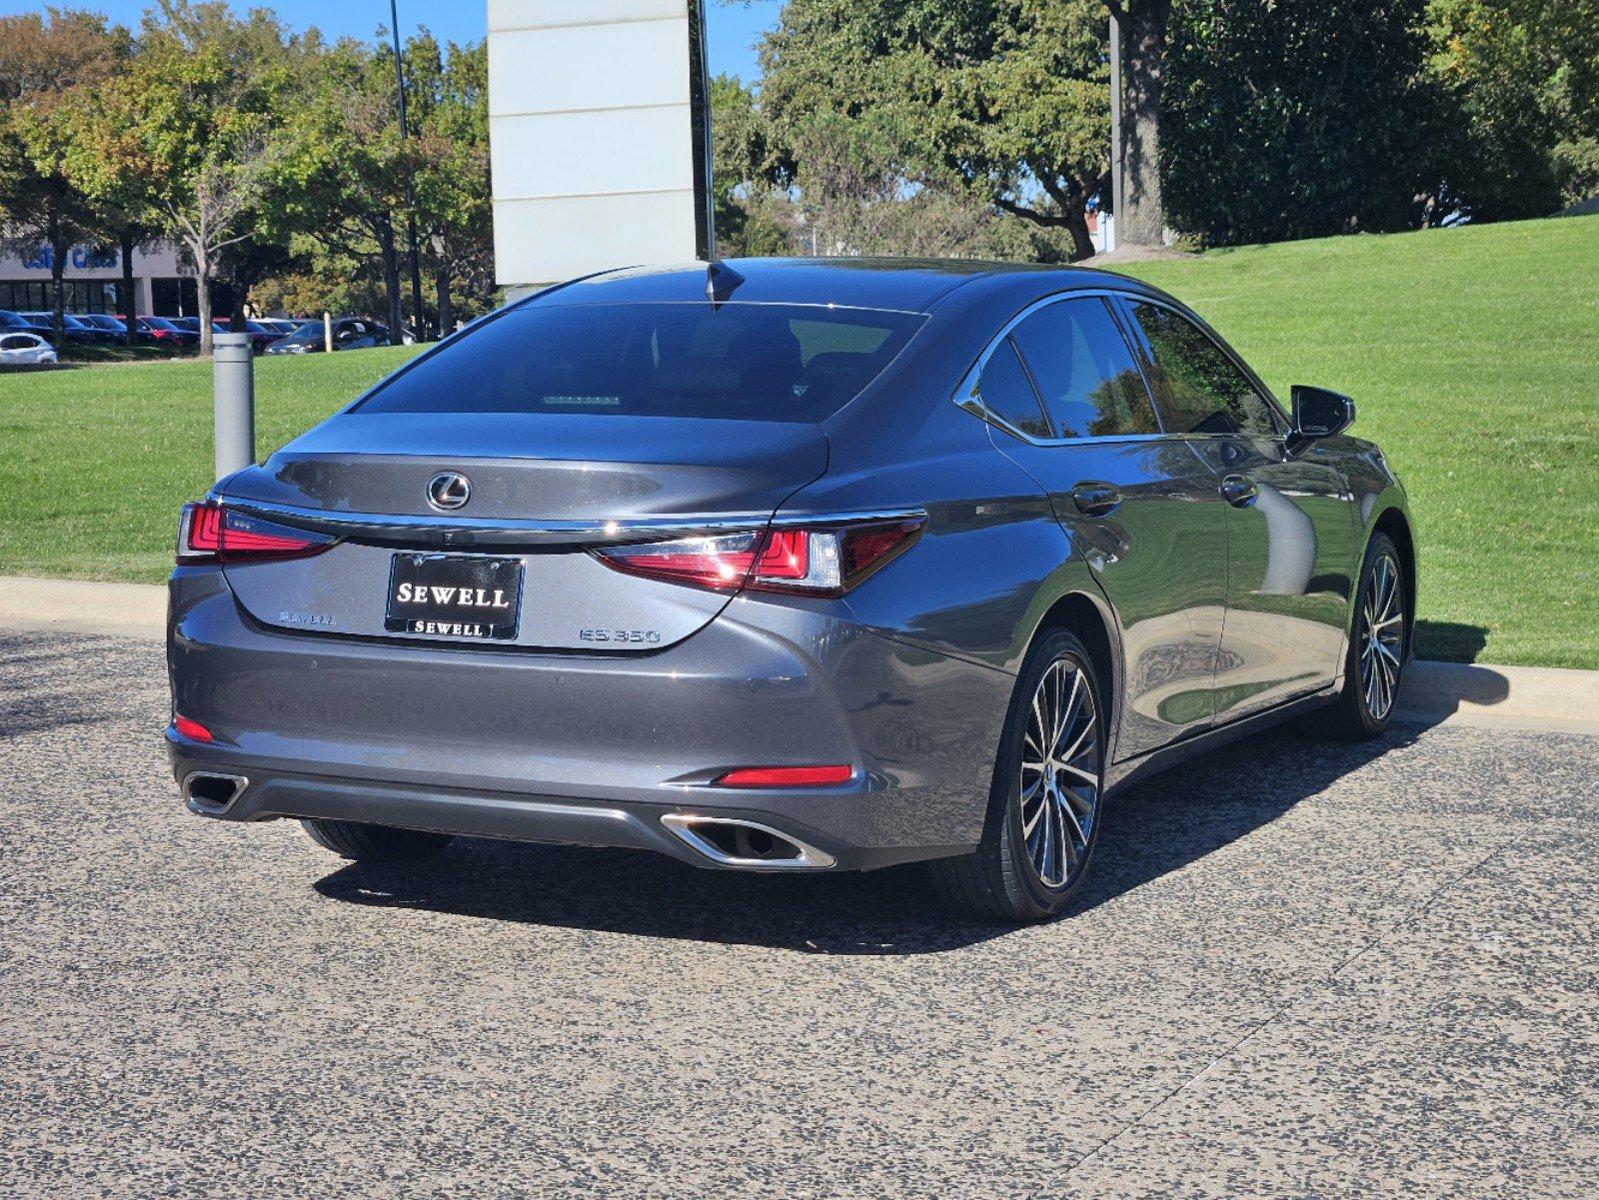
pixel 747 845
pixel 212 793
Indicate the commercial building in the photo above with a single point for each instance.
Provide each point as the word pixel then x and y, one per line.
pixel 93 278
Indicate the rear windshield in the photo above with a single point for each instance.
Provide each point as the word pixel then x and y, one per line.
pixel 760 362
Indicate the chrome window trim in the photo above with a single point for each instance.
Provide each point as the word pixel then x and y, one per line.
pixel 967 397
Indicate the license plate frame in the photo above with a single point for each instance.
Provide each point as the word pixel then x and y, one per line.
pixel 491 610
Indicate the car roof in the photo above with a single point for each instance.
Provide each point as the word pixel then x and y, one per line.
pixel 904 284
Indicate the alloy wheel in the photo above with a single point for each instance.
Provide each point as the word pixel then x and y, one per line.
pixel 1060 772
pixel 1382 637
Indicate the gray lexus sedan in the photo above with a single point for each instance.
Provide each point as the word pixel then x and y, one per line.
pixel 784 565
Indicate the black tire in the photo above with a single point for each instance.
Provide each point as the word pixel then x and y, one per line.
pixel 375 843
pixel 999 881
pixel 1356 716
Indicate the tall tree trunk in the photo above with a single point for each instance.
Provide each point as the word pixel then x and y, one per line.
pixel 1077 226
pixel 1144 44
pixel 441 283
pixel 391 280
pixel 59 246
pixel 129 317
pixel 202 295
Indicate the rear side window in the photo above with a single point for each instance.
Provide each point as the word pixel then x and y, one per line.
pixel 758 362
pixel 1084 370
pixel 1007 392
pixel 1200 389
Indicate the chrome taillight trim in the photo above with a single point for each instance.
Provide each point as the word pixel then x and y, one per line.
pixel 538 532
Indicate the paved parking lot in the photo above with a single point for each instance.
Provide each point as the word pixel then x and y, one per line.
pixel 1300 969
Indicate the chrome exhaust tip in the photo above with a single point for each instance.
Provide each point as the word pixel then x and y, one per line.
pixel 746 845
pixel 211 793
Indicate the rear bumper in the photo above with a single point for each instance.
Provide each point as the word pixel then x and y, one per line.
pixel 592 749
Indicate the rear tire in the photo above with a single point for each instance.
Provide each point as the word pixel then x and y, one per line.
pixel 1047 791
pixel 375 843
pixel 1375 665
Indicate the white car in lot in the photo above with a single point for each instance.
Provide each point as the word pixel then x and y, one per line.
pixel 25 348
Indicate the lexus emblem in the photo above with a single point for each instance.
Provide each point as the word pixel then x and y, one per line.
pixel 449 491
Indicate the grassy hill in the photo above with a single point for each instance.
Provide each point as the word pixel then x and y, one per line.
pixel 1473 354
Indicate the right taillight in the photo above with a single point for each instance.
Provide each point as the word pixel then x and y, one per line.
pixel 212 532
pixel 821 560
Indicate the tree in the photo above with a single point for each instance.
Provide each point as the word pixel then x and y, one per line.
pixel 197 118
pixel 1297 118
pixel 1005 99
pixel 1520 79
pixel 750 218
pixel 99 164
pixel 448 93
pixel 47 69
pixel 343 176
pixel 1143 24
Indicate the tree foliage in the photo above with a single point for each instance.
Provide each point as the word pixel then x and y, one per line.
pixel 1297 118
pixel 998 102
pixel 1520 83
pixel 50 65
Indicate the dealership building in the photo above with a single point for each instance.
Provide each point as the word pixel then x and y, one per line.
pixel 93 279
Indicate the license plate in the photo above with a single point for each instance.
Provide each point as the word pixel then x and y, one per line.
pixel 454 596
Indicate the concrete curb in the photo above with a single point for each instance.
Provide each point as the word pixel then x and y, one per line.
pixel 1548 698
pixel 81 606
pixel 1435 693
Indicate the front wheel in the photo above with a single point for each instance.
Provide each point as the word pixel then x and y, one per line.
pixel 1378 645
pixel 1044 805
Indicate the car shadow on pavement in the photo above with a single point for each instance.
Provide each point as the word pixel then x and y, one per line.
pixel 1150 830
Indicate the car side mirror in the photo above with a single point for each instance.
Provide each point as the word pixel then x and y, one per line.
pixel 1319 413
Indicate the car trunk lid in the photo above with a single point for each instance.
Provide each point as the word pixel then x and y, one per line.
pixel 544 489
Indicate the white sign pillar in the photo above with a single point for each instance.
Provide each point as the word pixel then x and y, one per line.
pixel 598 136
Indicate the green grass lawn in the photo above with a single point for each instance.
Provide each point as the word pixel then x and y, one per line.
pixel 95 461
pixel 1473 354
pixel 1473 357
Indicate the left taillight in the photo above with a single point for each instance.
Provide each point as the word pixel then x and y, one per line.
pixel 822 560
pixel 212 532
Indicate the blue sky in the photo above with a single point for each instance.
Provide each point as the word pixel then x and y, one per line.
pixel 732 29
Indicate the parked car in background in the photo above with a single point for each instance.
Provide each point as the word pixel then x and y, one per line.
pixel 165 332
pixel 72 328
pixel 16 322
pixel 281 326
pixel 807 566
pixel 349 333
pixel 19 349
pixel 260 336
pixel 106 323
pixel 192 325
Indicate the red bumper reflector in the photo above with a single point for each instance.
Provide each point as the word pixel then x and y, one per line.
pixel 192 730
pixel 776 777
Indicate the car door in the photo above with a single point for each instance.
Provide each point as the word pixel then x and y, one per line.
pixel 1144 511
pixel 1291 520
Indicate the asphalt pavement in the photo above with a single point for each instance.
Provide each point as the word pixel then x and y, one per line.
pixel 1300 969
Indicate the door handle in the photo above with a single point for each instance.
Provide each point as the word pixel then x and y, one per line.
pixel 1095 499
pixel 1239 491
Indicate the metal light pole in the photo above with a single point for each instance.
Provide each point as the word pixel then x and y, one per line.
pixel 1117 157
pixel 410 193
pixel 699 93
